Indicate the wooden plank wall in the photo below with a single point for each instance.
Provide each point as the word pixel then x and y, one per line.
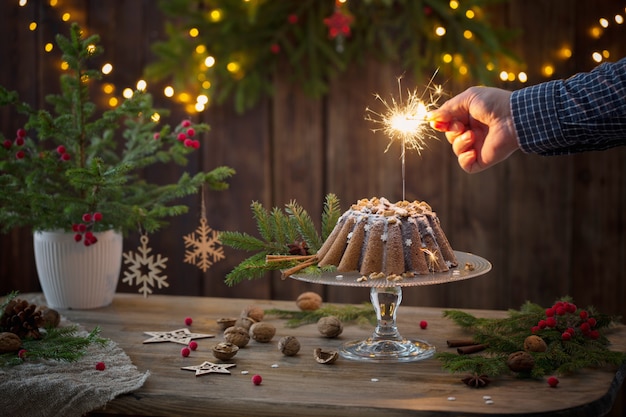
pixel 550 226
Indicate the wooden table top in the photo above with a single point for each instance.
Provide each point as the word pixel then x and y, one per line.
pixel 299 386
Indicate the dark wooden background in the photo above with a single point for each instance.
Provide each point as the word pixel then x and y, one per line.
pixel 551 226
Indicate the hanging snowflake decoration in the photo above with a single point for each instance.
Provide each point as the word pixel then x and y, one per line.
pixel 206 248
pixel 144 269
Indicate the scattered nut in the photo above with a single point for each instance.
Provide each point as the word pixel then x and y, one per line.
pixel 237 336
pixel 520 361
pixel 225 350
pixel 325 357
pixel 535 343
pixel 254 312
pixel 9 342
pixel 289 345
pixel 262 332
pixel 330 326
pixel 51 317
pixel 245 322
pixel 226 322
pixel 309 301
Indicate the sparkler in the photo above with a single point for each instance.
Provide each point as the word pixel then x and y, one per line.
pixel 407 121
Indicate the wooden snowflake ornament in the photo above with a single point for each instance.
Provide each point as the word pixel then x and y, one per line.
pixel 204 246
pixel 144 270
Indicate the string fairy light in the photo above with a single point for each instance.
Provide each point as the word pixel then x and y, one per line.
pixel 406 120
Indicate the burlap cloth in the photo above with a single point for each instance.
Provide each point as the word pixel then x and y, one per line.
pixel 65 389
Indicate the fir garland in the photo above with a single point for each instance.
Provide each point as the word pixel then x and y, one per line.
pixel 344 313
pixel 575 339
pixel 311 41
pixel 288 232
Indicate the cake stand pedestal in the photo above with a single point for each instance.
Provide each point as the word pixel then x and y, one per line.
pixel 386 344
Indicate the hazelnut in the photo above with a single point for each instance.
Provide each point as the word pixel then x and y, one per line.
pixel 262 332
pixel 309 301
pixel 254 312
pixel 535 343
pixel 520 361
pixel 9 342
pixel 237 336
pixel 289 345
pixel 325 357
pixel 330 326
pixel 226 322
pixel 225 350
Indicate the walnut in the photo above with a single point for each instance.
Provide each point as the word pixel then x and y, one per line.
pixel 253 312
pixel 225 350
pixel 325 357
pixel 226 322
pixel 289 345
pixel 535 343
pixel 330 326
pixel 51 317
pixel 309 301
pixel 9 342
pixel 262 332
pixel 237 336
pixel 520 361
pixel 245 322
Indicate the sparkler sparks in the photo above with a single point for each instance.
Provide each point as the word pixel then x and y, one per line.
pixel 406 121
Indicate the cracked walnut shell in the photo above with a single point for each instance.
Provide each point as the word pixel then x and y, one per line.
pixel 325 357
pixel 309 301
pixel 237 336
pixel 262 332
pixel 330 326
pixel 225 350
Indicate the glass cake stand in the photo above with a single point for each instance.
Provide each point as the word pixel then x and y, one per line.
pixel 386 344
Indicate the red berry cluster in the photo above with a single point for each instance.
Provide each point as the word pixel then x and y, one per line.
pixel 63 153
pixel 20 140
pixel 570 320
pixel 186 134
pixel 83 230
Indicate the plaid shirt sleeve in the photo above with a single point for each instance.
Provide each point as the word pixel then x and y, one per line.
pixel 583 113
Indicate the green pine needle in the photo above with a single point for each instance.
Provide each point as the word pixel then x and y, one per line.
pixel 345 313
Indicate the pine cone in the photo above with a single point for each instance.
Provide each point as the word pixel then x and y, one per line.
pixel 21 318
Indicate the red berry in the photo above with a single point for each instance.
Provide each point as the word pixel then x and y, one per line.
pixel 7 144
pixel 560 311
pixel 188 321
pixel 550 322
pixel 195 144
pixel 292 19
pixel 592 322
pixel 188 143
pixel 157 136
pixel 20 155
pixel 275 48
pixel 423 324
pixel 566 336
pixel 186 123
pixel 553 381
pixel 256 379
pixel 584 327
pixel 100 366
pixel 74 227
pixel 571 331
pixel 193 345
pixel 535 329
pixel 594 334
pixel 583 315
pixel 21 132
pixel 97 216
pixel 181 137
pixel 570 307
pixel 82 227
pixel 61 149
pixel 550 312
pixel 185 352
pixel 21 353
pixel 542 324
pixel 78 237
pixel 191 132
pixel 19 141
pixel 87 217
pixel 65 157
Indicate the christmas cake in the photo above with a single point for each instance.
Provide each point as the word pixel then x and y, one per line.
pixel 375 236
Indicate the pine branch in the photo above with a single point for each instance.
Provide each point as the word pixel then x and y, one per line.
pixel 344 313
pixel 330 216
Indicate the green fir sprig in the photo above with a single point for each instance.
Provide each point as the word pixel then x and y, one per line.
pixel 586 347
pixel 345 313
pixel 282 232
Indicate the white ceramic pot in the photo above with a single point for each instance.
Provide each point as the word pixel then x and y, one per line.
pixel 76 276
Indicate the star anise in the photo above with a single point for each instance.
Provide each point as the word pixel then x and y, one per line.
pixel 298 248
pixel 476 381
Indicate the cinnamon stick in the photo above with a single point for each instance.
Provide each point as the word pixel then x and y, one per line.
pixel 460 342
pixel 466 350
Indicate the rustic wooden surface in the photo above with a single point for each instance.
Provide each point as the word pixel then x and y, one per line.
pixel 300 386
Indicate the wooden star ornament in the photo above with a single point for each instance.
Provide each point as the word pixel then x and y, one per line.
pixel 209 368
pixel 182 336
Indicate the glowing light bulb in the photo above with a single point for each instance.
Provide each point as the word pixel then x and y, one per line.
pixel 107 68
pixel 215 15
pixel 155 117
pixel 209 61
pixel 565 52
pixel 595 32
pixel 454 4
pixel 200 49
pixel 33 26
pixel 233 67
pixel 184 97
pixel 440 31
pixel 490 66
pixel 510 76
pixel 66 16
pixel 606 54
pixel 467 34
pixel 168 91
pixel 53 3
pixel 463 70
pixel 91 48
pixel 206 85
pixel 199 107
pixel 470 14
pixel 547 70
pixel 48 47
pixel 596 56
pixel 619 19
pixel 522 76
pixel 23 3
pixel 127 93
pixel 604 22
pixel 113 101
pixel 194 32
pixel 447 58
pixel 142 85
pixel 202 99
pixel 504 75
pixel 64 65
pixel 108 88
